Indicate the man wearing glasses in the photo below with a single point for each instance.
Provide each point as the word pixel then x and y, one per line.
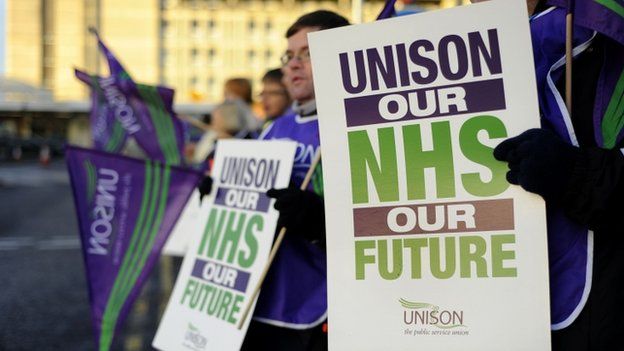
pixel 292 306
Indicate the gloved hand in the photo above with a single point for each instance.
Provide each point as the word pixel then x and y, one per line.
pixel 302 212
pixel 204 187
pixel 539 162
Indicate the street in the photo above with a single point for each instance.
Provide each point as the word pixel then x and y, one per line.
pixel 43 293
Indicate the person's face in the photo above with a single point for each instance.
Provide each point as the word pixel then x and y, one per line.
pixel 298 70
pixel 531 4
pixel 275 99
pixel 229 95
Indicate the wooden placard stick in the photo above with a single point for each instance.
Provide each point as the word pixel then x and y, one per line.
pixel 196 123
pixel 569 56
pixel 276 246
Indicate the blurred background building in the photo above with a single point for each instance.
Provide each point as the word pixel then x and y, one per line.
pixel 192 46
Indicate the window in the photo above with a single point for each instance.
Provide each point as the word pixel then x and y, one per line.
pixel 194 27
pixel 195 57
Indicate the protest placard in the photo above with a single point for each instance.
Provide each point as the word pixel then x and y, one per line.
pixel 429 247
pixel 224 261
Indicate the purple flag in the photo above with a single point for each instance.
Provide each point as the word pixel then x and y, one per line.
pixel 145 112
pixel 603 16
pixel 108 134
pixel 126 209
pixel 388 10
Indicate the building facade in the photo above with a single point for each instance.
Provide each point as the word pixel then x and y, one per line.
pixel 192 46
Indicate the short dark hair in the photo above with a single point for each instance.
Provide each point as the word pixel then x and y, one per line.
pixel 274 76
pixel 322 19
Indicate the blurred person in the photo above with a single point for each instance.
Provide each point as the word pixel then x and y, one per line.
pixel 275 99
pixel 240 89
pixel 228 120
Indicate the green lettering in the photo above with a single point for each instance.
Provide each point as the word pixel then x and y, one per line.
pixel 191 285
pixel 435 257
pixel 213 303
pixel 361 258
pixel 225 303
pixel 235 308
pixel 440 158
pixel 499 255
pixel 397 259
pixel 212 234
pixel 207 288
pixel 384 173
pixel 482 154
pixel 467 255
pixel 232 235
pixel 197 296
pixel 255 224
pixel 415 245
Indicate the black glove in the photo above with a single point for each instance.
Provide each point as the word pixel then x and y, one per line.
pixel 539 161
pixel 302 212
pixel 204 187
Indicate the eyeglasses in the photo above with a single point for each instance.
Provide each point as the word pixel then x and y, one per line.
pixel 302 56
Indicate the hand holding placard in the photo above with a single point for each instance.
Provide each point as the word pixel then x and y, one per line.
pixel 276 246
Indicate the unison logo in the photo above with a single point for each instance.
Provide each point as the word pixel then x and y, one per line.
pixel 101 189
pixel 122 110
pixel 193 339
pixel 426 314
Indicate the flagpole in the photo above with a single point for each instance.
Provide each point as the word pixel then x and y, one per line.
pixel 356 11
pixel 276 245
pixel 568 72
pixel 196 123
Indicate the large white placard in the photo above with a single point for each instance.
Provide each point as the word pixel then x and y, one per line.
pixel 429 248
pixel 224 260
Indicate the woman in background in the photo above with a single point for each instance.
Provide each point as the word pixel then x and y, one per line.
pixel 275 99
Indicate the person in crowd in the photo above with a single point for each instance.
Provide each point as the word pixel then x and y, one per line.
pixel 576 163
pixel 292 307
pixel 274 96
pixel 240 89
pixel 228 120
